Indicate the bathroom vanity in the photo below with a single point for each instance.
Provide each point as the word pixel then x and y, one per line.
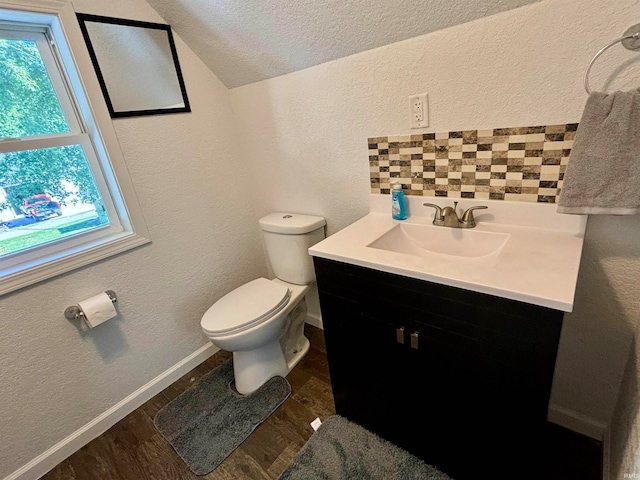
pixel 443 341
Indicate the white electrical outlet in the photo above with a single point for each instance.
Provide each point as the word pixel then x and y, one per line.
pixel 419 110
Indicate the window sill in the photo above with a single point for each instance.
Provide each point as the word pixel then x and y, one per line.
pixel 66 261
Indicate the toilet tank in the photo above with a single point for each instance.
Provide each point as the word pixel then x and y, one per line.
pixel 287 238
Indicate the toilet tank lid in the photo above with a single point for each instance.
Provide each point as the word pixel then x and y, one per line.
pixel 291 223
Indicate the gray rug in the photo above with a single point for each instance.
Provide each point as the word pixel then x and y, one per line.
pixel 207 422
pixel 343 450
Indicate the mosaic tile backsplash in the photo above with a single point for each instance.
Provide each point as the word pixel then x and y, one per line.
pixel 521 164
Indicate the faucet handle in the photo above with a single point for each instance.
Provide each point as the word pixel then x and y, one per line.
pixel 467 216
pixel 438 215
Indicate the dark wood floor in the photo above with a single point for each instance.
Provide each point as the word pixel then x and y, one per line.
pixel 134 450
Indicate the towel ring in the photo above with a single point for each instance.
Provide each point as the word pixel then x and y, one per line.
pixel 630 40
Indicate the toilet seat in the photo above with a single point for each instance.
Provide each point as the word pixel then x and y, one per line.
pixel 245 307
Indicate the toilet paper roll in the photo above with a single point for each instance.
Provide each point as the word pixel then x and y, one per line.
pixel 97 309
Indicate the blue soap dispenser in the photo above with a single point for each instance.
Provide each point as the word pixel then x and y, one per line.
pixel 398 203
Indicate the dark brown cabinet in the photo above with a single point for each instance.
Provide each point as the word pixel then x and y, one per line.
pixel 459 378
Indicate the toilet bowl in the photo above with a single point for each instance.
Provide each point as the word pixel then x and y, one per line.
pixel 262 321
pixel 259 344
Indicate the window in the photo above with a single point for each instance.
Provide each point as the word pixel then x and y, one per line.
pixel 60 204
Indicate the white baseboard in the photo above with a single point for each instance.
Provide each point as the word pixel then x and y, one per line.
pixel 315 320
pixel 577 422
pixel 44 462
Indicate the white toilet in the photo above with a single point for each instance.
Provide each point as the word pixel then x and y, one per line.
pixel 262 322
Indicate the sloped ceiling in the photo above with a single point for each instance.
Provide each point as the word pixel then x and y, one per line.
pixel 245 41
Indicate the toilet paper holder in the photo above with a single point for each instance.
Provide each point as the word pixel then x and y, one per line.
pixel 74 312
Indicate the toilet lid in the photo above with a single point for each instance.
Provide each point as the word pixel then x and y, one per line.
pixel 245 306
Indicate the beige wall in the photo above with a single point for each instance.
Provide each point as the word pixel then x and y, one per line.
pixel 190 181
pixel 305 134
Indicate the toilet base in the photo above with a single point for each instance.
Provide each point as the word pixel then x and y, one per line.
pixel 253 368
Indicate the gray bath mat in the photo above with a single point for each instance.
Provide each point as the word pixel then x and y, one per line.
pixel 208 422
pixel 343 450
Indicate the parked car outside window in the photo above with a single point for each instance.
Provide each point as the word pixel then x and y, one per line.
pixel 41 206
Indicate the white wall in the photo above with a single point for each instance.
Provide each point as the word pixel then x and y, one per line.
pixel 305 135
pixel 190 182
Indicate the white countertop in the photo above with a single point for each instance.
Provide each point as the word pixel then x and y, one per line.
pixel 538 264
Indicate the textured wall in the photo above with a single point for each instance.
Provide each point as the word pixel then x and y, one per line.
pixel 305 134
pixel 189 180
pixel 245 42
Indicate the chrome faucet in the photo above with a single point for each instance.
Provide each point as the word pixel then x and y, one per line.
pixel 448 217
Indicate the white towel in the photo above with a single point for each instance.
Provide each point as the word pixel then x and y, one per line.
pixel 603 174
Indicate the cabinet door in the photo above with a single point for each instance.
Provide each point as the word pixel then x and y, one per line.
pixel 478 405
pixel 367 359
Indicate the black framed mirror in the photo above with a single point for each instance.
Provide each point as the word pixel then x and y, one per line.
pixel 137 65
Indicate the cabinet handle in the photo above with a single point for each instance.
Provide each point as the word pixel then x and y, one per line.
pixel 400 335
pixel 414 340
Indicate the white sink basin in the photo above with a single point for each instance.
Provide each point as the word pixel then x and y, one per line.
pixel 427 240
pixel 525 251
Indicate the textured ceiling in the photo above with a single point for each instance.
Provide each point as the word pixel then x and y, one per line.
pixel 245 41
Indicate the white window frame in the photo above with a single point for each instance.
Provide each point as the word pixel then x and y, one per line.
pixel 93 131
